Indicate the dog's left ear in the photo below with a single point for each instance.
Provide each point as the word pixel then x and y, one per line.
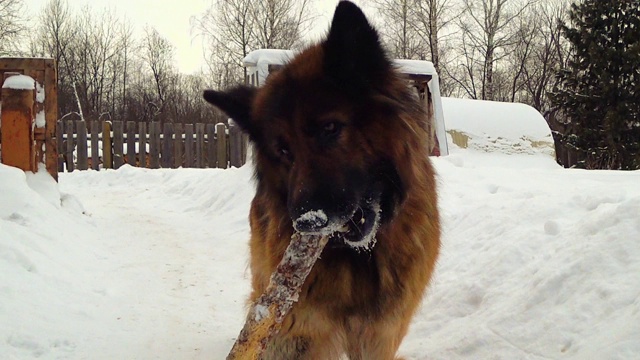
pixel 236 103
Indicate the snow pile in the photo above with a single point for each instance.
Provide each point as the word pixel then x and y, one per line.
pixel 493 126
pixel 537 262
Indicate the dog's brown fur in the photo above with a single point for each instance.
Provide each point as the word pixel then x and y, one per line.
pixel 358 302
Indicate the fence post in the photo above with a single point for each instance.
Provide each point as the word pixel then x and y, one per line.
pixel 51 116
pixel 221 132
pixel 60 145
pixel 107 159
pixel 18 143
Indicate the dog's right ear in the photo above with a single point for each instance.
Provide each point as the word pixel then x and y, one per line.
pixel 236 103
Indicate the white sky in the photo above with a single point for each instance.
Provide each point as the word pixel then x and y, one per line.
pixel 172 20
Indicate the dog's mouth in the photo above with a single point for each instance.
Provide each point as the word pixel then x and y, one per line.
pixel 358 231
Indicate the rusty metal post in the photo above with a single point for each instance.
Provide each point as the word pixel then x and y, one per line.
pixel 18 143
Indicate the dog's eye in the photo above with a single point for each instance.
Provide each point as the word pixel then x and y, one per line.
pixel 283 151
pixel 331 129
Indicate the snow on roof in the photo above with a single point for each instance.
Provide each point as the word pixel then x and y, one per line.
pixel 259 61
pixel 268 56
pixel 19 82
pixel 418 67
pixel 498 126
pixel 263 57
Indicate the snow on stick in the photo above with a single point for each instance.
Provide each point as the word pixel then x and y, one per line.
pixel 267 313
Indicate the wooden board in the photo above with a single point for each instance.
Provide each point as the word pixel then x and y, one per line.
pixel 95 145
pixel 211 146
pixel 83 159
pixel 118 144
pixel 199 163
pixel 221 135
pixel 188 145
pixel 131 143
pixel 154 145
pixel 178 146
pixel 167 146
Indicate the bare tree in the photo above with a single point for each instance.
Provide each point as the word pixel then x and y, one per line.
pixel 52 38
pixel 157 53
pixel 126 43
pixel 105 72
pixel 12 25
pixel 233 28
pixel 227 28
pixel 401 28
pixel 431 18
pixel 280 24
pixel 487 29
pixel 550 53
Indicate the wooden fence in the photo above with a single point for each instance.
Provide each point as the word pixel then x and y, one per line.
pixel 111 144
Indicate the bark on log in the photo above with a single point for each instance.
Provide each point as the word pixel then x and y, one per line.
pixel 267 313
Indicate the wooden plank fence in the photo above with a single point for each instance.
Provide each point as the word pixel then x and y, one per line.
pixel 111 144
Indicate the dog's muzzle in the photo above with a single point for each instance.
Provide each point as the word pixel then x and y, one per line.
pixel 357 230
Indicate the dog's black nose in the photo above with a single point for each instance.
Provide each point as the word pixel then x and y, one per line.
pixel 311 222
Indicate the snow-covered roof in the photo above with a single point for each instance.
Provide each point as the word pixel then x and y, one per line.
pixel 494 125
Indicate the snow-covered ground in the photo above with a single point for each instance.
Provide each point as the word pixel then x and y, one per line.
pixel 538 262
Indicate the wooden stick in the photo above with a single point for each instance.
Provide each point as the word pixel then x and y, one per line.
pixel 267 313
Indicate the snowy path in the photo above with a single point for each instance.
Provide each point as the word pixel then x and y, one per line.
pixel 158 247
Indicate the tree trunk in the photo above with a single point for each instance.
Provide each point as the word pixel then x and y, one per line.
pixel 433 34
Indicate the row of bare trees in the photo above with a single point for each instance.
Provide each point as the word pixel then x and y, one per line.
pixel 233 28
pixel 108 70
pixel 504 50
pixel 105 71
pixel 12 25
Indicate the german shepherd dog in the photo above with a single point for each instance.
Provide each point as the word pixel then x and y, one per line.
pixel 340 147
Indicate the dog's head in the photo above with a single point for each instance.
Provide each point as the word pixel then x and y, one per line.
pixel 321 127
